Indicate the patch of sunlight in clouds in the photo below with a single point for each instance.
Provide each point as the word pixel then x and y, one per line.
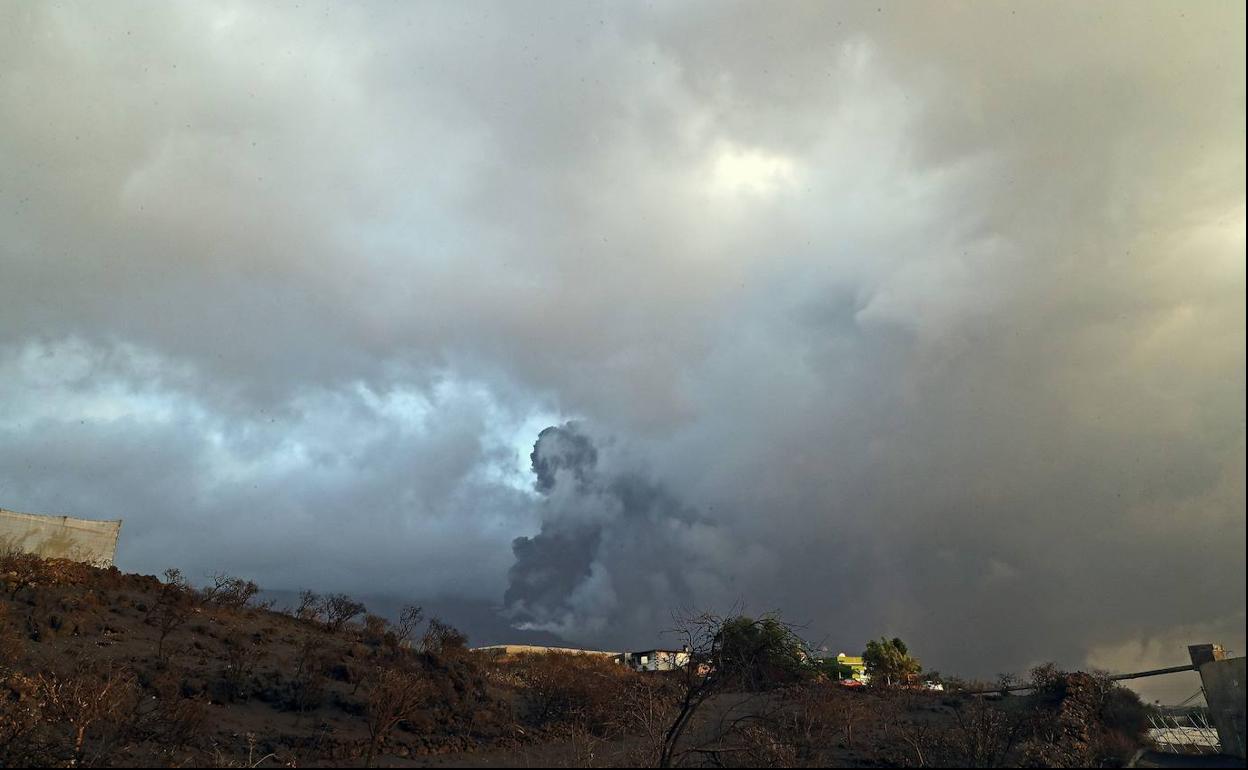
pixel 738 170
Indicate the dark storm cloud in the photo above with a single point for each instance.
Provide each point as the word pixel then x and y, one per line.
pixel 915 316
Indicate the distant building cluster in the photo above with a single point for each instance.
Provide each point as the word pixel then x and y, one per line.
pixel 654 660
pixel 853 668
pixel 643 660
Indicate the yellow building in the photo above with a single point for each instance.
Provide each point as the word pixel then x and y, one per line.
pixel 855 664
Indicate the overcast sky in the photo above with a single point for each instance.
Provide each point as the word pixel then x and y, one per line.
pixel 907 319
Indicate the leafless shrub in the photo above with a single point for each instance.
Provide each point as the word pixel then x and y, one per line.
pixel 230 592
pixel 19 570
pixel 393 695
pixel 241 657
pixel 442 639
pixel 11 642
pixel 923 741
pixel 375 629
pixel 645 707
pixel 764 744
pixel 21 714
pixel 848 710
pixel 87 702
pixel 308 682
pixel 309 606
pixel 173 720
pixel 393 638
pixel 573 690
pixel 409 619
pixel 339 609
pixel 584 746
pixel 221 759
pixel 174 605
pixel 697 680
pixel 333 611
pixel 819 714
pixel 985 734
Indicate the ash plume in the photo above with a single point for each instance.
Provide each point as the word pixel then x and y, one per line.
pixel 611 558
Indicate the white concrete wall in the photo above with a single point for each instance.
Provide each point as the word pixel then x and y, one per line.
pixel 60 537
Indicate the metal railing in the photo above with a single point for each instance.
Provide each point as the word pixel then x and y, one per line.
pixel 1188 733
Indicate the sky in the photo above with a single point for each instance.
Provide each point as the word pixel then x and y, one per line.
pixel 923 320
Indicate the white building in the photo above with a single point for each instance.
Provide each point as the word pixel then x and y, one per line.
pixel 656 660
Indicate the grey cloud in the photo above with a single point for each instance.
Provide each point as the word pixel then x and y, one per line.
pixel 294 498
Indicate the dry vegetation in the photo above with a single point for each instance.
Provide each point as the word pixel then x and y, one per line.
pixel 100 668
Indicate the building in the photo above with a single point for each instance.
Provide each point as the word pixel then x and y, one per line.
pixel 856 665
pixel 656 660
pixel 645 660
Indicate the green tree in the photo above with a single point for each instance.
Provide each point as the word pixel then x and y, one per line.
pixel 889 662
pixel 759 653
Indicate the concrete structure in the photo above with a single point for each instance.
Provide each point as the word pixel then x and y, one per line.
pixel 1204 653
pixel 511 650
pixel 655 660
pixel 60 537
pixel 1224 684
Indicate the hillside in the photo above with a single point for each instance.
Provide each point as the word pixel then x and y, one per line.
pixel 102 668
pixel 229 682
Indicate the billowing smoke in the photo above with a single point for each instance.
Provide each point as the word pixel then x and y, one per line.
pixel 563 451
pixel 615 554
